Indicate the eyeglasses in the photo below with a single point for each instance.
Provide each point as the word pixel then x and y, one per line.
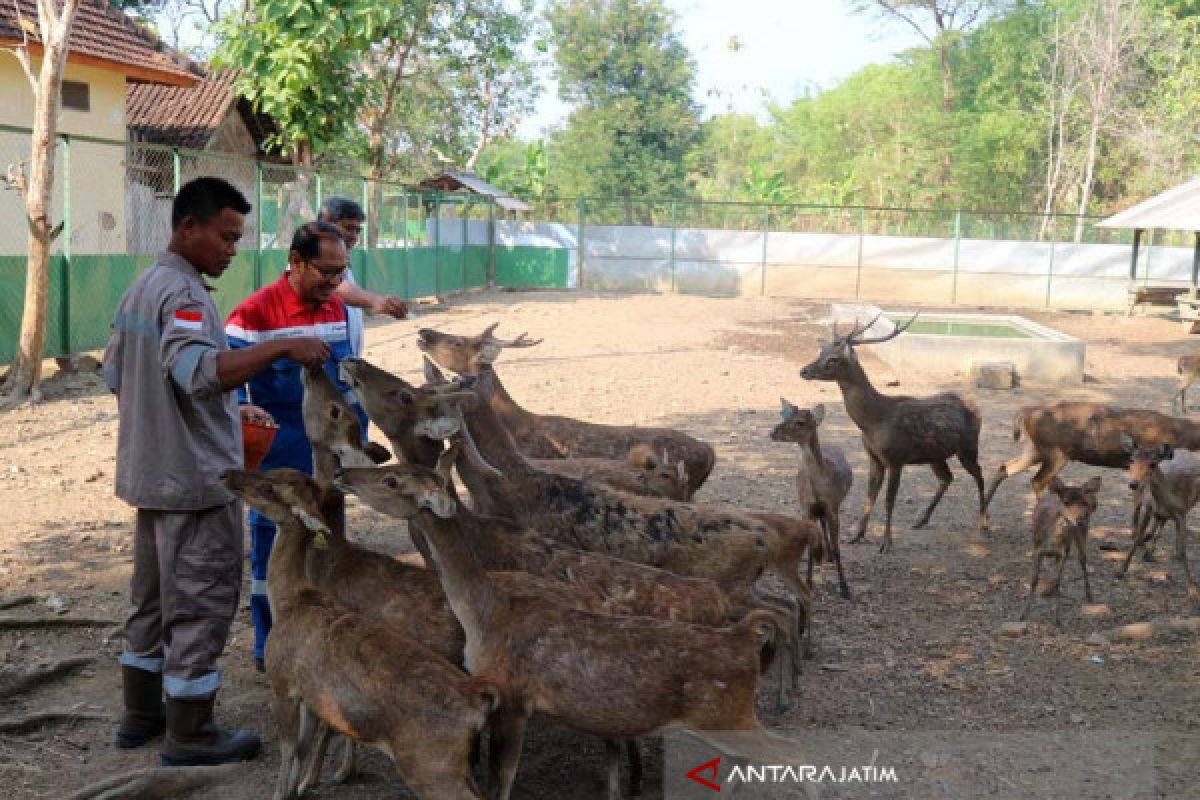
pixel 329 273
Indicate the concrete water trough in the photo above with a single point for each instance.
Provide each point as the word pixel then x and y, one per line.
pixel 951 342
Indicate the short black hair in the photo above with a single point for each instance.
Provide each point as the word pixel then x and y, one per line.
pixel 204 198
pixel 336 209
pixel 306 241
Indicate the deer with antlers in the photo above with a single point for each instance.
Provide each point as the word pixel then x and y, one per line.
pixel 550 436
pixel 898 430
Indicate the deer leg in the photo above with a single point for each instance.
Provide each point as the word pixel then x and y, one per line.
pixel 507 733
pixel 1080 543
pixel 1193 592
pixel 612 758
pixel 971 465
pixel 874 484
pixel 1056 587
pixel 349 762
pixel 945 477
pixel 1033 582
pixel 633 753
pixel 287 716
pixel 893 486
pixel 1139 536
pixel 833 525
pixel 1156 526
pixel 1022 462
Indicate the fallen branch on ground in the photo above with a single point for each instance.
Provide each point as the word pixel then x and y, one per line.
pixel 19 600
pixel 8 623
pixel 30 722
pixel 16 681
pixel 156 784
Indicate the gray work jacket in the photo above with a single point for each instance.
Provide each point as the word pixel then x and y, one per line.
pixel 178 429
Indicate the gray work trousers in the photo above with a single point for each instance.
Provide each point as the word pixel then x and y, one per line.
pixel 187 571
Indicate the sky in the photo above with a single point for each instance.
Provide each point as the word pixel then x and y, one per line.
pixel 786 46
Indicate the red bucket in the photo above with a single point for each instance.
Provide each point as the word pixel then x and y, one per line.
pixel 256 441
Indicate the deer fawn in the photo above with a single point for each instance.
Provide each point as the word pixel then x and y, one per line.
pixel 1188 368
pixel 823 481
pixel 1176 490
pixel 614 677
pixel 1060 522
pixel 358 676
pixel 549 436
pixel 899 430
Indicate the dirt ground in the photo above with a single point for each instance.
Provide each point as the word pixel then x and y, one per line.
pixel 917 649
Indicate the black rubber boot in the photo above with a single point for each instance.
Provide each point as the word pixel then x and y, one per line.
pixel 144 719
pixel 194 740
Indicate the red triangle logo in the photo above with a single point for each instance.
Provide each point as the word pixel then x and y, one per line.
pixel 710 767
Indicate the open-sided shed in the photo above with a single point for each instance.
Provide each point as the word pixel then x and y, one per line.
pixel 452 180
pixel 1176 209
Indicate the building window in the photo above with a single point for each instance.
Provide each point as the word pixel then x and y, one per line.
pixel 76 96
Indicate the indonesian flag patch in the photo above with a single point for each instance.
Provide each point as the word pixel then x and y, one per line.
pixel 191 320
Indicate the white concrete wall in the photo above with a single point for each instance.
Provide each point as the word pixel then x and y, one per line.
pixel 894 268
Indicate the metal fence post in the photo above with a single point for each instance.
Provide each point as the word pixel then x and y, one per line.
pixel 491 276
pixel 582 204
pixel 957 242
pixel 320 191
pixel 862 235
pixel 762 273
pixel 64 260
pixel 671 262
pixel 466 229
pixel 437 244
pixel 368 231
pixel 258 205
pixel 405 258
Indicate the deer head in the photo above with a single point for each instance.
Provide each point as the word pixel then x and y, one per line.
pixel 332 424
pixel 401 409
pixel 658 474
pixel 402 490
pixel 1078 502
pixel 466 355
pixel 1143 460
pixel 797 424
pixel 837 359
pixel 283 496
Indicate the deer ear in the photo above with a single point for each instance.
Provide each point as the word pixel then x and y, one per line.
pixel 376 452
pixel 445 463
pixel 1057 486
pixel 489 330
pixel 818 413
pixel 1093 485
pixel 786 409
pixel 432 373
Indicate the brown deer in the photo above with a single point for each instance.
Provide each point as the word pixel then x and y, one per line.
pixel 614 677
pixel 358 676
pixel 898 430
pixel 1175 493
pixel 549 436
pixel 644 472
pixel 1188 368
pixel 727 545
pixel 822 482
pixel 1058 433
pixel 1060 522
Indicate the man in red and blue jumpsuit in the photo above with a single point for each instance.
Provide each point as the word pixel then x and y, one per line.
pixel 303 302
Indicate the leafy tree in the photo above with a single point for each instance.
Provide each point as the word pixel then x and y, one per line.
pixel 626 71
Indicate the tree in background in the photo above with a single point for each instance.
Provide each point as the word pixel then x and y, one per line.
pixel 49 34
pixel 624 68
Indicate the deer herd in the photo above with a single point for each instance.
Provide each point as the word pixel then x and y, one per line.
pixel 577 580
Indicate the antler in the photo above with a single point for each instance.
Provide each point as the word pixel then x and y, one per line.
pixel 855 337
pixel 521 341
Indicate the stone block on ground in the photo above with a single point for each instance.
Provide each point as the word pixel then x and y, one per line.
pixel 993 374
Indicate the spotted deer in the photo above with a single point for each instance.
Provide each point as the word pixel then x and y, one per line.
pixel 727 545
pixel 898 430
pixel 550 436
pixel 1176 491
pixel 358 676
pixel 1060 523
pixel 1055 434
pixel 613 677
pixel 643 472
pixel 822 482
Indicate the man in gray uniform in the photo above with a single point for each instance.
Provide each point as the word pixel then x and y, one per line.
pixel 173 373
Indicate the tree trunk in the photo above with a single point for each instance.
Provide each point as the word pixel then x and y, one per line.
pixel 1089 172
pixel 26 368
